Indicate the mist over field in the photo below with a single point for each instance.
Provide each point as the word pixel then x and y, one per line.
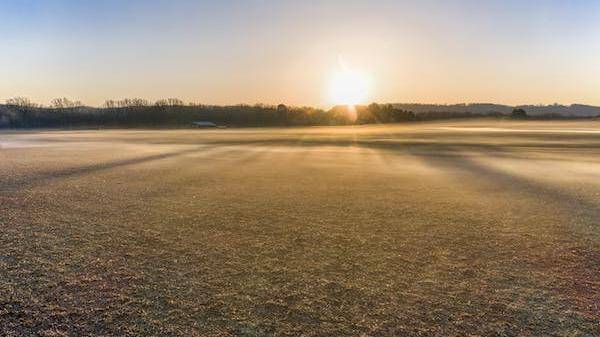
pixel 486 228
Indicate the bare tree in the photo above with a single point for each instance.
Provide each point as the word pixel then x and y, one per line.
pixel 132 102
pixel 63 103
pixel 110 104
pixel 169 102
pixel 21 102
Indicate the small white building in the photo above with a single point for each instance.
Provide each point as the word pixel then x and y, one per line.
pixel 205 124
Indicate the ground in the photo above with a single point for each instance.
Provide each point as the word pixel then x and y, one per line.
pixel 460 228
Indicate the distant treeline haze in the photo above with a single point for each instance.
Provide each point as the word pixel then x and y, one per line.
pixel 20 112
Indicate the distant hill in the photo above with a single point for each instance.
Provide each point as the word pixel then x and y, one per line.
pixel 574 110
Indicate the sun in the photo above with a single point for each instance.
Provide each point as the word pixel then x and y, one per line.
pixel 348 87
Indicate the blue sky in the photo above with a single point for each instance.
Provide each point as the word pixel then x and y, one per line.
pixel 286 51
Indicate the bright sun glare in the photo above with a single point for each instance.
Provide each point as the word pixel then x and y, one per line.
pixel 348 87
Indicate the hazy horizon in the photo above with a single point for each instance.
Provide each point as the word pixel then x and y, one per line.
pixel 433 52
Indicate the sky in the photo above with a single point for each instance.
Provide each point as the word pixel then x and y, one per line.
pixel 229 52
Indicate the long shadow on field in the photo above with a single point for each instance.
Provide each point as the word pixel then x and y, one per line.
pixel 581 272
pixel 406 143
pixel 453 159
pixel 81 170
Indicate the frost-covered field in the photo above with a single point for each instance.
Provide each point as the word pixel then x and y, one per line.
pixel 462 228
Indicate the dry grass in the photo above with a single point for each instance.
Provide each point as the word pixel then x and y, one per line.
pixel 447 229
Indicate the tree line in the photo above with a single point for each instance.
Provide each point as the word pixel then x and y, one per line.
pixel 20 112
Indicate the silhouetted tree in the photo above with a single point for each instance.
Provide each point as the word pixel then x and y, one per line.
pixel 63 103
pixel 20 101
pixel 110 104
pixel 169 102
pixel 282 112
pixel 382 113
pixel 519 113
pixel 132 102
pixel 19 112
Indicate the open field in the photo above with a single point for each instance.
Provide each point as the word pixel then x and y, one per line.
pixel 468 228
